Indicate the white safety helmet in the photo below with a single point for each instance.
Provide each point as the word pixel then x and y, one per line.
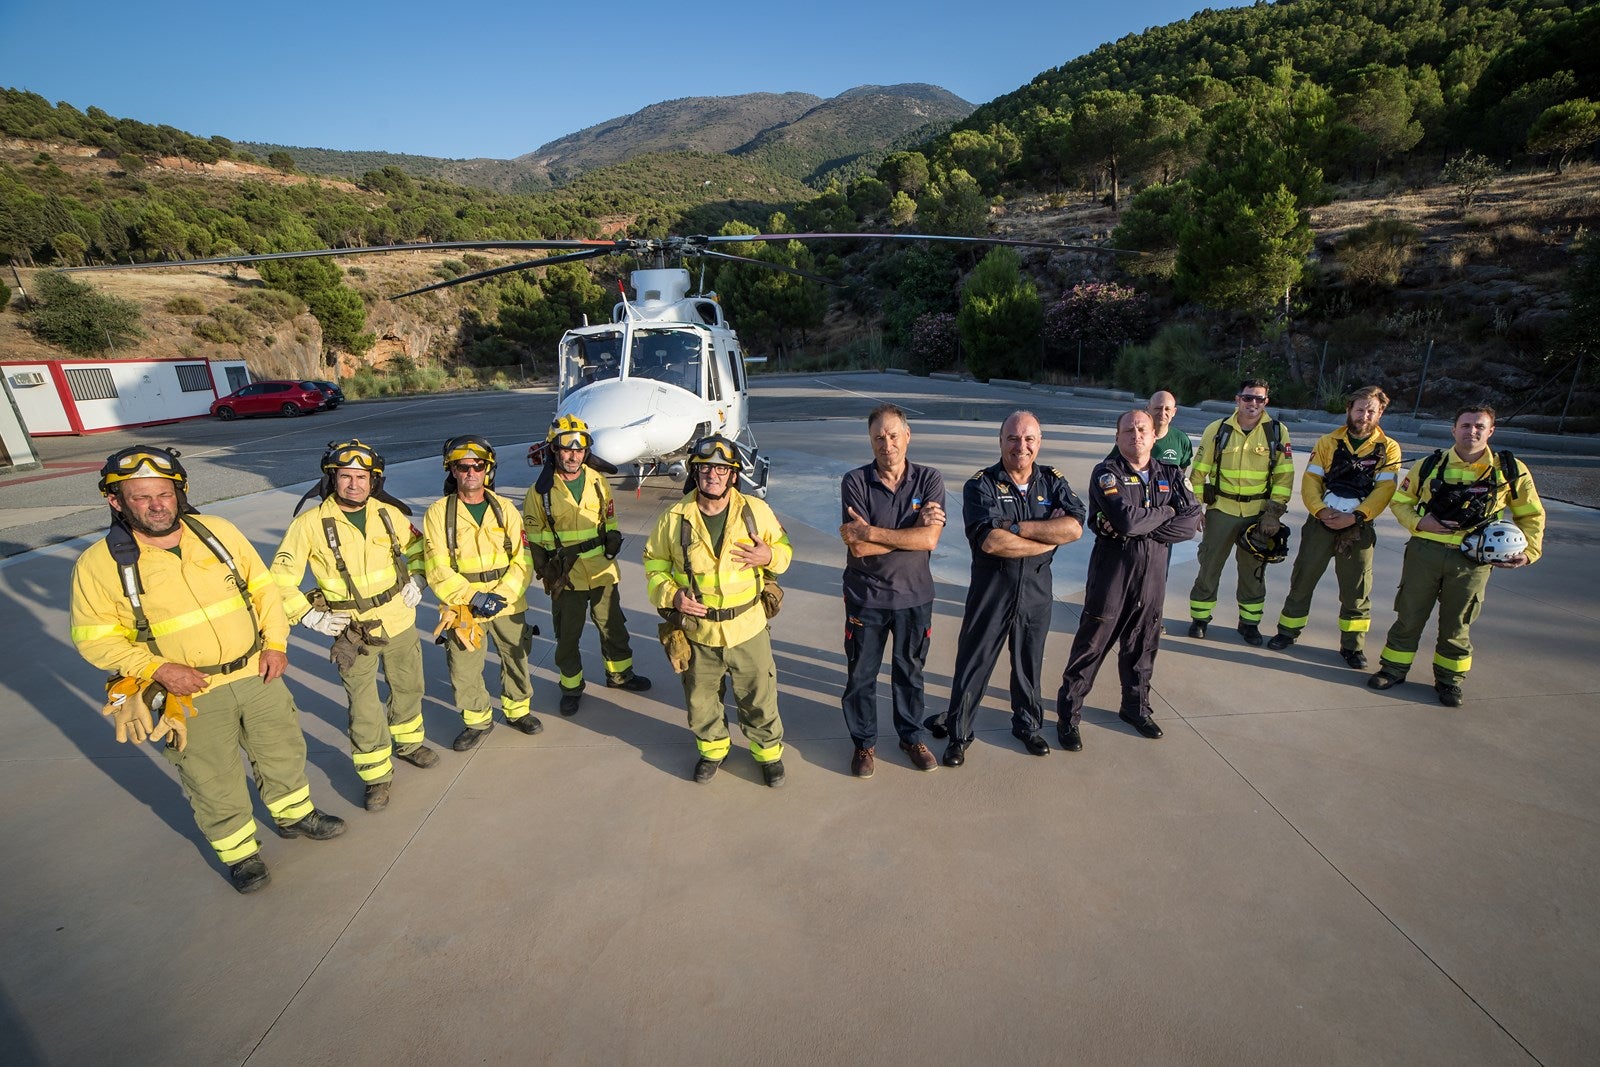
pixel 1346 504
pixel 1496 542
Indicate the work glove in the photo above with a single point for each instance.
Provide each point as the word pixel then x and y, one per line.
pixel 357 640
pixel 1346 540
pixel 1272 517
pixel 331 623
pixel 174 710
pixel 411 592
pixel 676 646
pixel 487 605
pixel 463 629
pixel 127 709
pixel 613 542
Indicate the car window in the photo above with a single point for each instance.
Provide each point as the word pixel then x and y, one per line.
pixel 249 390
pixel 276 387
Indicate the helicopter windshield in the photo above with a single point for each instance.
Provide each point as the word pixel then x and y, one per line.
pixel 589 358
pixel 668 355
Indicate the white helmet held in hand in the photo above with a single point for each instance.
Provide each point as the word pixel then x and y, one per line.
pixel 1496 542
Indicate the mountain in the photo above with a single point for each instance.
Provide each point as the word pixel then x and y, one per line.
pixel 795 134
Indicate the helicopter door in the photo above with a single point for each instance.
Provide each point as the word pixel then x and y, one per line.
pixel 729 381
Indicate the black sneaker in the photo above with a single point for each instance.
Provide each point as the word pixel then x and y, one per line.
pixel 1197 628
pixel 249 874
pixel 319 826
pixel 570 699
pixel 634 683
pixel 772 773
pixel 469 737
pixel 706 770
pixel 1354 657
pixel 528 724
pixel 1279 642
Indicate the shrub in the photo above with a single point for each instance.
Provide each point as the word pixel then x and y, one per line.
pixel 270 305
pixel 226 325
pixel 1177 358
pixel 935 343
pixel 185 305
pixel 1376 254
pixel 1103 317
pixel 80 318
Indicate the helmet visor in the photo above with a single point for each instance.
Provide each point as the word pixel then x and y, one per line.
pixel 715 450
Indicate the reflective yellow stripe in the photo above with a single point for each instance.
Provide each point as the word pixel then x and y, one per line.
pixel 1459 666
pixel 766 755
pixel 208 613
pixel 238 845
pixel 1399 659
pixel 619 665
pixel 572 681
pixel 370 766
pixel 94 633
pixel 476 719
pixel 292 808
pixel 1200 610
pixel 514 709
pixel 714 749
pixel 1251 612
pixel 408 731
pixel 1355 626
pixel 1287 623
pixel 260 582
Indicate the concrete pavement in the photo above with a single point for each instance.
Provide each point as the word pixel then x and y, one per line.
pixel 1301 870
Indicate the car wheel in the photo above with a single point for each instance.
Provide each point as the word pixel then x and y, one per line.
pixel 225 414
pixel 289 410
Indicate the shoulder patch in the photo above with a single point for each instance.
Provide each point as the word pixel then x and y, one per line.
pixel 1108 483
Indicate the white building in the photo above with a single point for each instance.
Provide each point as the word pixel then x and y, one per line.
pixel 76 396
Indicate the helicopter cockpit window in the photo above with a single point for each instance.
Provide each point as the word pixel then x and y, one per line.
pixel 670 356
pixel 590 358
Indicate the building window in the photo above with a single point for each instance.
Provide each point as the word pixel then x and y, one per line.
pixel 91 383
pixel 238 378
pixel 194 378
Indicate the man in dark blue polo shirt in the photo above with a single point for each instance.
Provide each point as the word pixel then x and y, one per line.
pixel 893 511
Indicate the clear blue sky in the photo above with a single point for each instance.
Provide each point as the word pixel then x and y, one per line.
pixel 498 79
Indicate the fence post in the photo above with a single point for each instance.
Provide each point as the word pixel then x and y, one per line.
pixel 1417 405
pixel 1562 422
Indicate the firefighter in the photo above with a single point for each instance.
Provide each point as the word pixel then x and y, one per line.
pixel 185 615
pixel 708 567
pixel 1245 468
pixel 1446 500
pixel 1138 508
pixel 1017 513
pixel 476 561
pixel 1348 482
pixel 366 558
pixel 572 533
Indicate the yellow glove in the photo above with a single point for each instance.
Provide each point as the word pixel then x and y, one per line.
pixel 174 710
pixel 676 646
pixel 127 709
pixel 465 629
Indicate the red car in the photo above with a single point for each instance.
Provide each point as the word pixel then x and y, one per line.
pixel 270 398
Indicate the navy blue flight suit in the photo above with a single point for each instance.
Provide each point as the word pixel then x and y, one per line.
pixel 1136 523
pixel 1008 600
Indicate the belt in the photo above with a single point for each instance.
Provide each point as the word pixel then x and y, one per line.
pixel 378 601
pixel 229 667
pixel 484 576
pixel 724 614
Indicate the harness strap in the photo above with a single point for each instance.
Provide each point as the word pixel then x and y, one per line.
pixel 330 530
pixel 450 540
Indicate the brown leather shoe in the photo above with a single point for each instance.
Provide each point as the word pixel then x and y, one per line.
pixel 864 762
pixel 922 757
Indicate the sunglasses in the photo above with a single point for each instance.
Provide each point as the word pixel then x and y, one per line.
pixel 1250 398
pixel 470 468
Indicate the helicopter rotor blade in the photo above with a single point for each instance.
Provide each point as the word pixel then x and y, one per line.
pixel 772 266
pixel 507 269
pixel 432 246
pixel 1058 245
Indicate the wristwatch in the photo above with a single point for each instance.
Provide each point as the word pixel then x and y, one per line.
pixel 1015 528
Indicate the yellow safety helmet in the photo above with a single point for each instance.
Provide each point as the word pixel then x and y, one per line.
pixel 715 450
pixel 569 431
pixel 468 446
pixel 143 461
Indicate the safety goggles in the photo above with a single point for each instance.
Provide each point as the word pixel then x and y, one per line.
pixel 164 461
pixel 572 442
pixel 351 454
pixel 467 446
pixel 712 449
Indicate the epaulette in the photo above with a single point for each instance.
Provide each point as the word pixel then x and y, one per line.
pixel 1051 471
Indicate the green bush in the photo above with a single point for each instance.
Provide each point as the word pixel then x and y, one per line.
pixel 185 305
pixel 80 318
pixel 1177 359
pixel 270 305
pixel 226 325
pixel 1376 254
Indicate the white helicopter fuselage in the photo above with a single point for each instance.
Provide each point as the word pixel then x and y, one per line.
pixel 664 372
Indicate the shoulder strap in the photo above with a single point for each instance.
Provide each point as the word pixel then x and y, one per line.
pixel 1508 468
pixel 685 539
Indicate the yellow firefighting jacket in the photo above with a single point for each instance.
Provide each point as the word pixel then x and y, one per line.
pixel 197 614
pixel 720 581
pixel 1527 511
pixel 577 522
pixel 1386 471
pixel 368 556
pixel 479 550
pixel 1242 469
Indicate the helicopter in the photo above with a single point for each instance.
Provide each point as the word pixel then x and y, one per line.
pixel 668 368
